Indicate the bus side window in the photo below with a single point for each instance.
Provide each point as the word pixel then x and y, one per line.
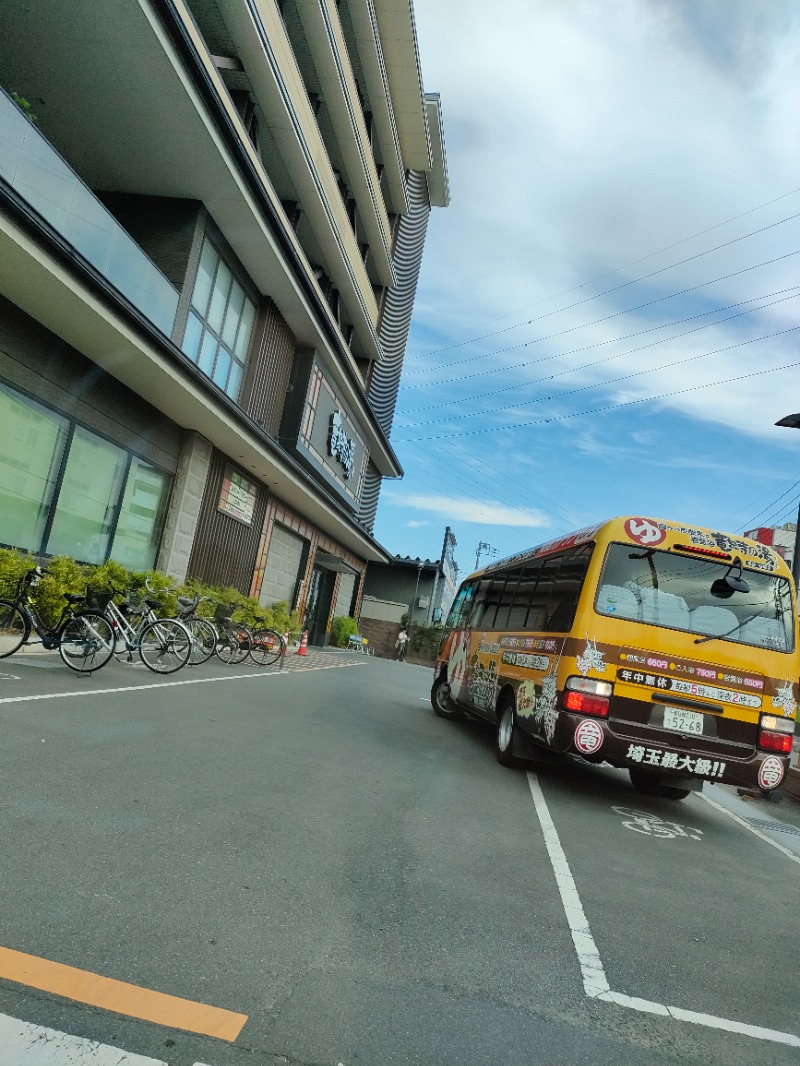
pixel 461 606
pixel 535 612
pixel 478 604
pixel 493 598
pixel 518 611
pixel 542 601
pixel 568 586
pixel 507 599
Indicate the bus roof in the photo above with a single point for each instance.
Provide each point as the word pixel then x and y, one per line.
pixel 657 533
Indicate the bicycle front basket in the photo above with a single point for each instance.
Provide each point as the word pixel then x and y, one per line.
pixel 222 613
pixel 98 599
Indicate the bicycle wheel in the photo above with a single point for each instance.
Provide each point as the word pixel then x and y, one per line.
pixel 165 646
pixel 13 628
pixel 87 642
pixel 234 644
pixel 267 647
pixel 204 640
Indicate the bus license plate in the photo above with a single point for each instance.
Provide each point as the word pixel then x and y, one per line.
pixel 683 721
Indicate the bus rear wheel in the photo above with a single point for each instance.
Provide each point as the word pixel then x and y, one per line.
pixel 651 786
pixel 442 702
pixel 506 735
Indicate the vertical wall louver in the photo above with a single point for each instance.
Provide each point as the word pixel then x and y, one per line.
pixel 400 301
pixel 395 325
pixel 270 369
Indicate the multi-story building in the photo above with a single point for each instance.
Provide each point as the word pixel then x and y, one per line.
pixel 781 538
pixel 212 217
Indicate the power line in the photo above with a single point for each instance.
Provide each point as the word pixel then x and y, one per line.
pixel 772 503
pixel 612 381
pixel 495 478
pixel 585 325
pixel 635 281
pixel 607 407
pixel 751 503
pixel 607 381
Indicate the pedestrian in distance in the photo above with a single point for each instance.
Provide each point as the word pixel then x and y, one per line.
pixel 400 645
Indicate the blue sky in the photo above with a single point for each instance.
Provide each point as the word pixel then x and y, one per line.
pixel 609 311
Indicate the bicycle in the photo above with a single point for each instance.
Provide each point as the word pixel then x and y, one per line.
pixel 164 644
pixel 267 647
pixel 234 641
pixel 84 638
pixel 204 635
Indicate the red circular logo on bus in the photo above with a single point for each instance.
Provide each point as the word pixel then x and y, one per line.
pixel 588 737
pixel 644 532
pixel 770 772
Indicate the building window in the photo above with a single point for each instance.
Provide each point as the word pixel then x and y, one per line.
pixel 67 491
pixel 220 322
pixel 32 441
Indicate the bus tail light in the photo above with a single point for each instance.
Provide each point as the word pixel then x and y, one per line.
pixel 780 742
pixel 776 734
pixel 584 695
pixel 581 703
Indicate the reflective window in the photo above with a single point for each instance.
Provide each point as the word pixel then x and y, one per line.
pixel 220 325
pixel 88 498
pixel 139 524
pixel 31 450
pixel 67 491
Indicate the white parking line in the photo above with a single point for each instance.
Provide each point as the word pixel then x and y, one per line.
pixel 595 982
pixel 172 684
pixel 25 1044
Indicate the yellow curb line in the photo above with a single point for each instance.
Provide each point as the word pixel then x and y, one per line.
pixel 119 996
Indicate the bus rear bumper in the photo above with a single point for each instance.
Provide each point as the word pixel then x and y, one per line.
pixel 668 757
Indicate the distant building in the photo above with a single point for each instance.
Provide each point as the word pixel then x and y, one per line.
pixel 422 589
pixel 212 220
pixel 781 538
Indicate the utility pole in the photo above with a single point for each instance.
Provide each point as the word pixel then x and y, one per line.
pixel 485 549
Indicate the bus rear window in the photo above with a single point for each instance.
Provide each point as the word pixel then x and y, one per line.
pixel 677 592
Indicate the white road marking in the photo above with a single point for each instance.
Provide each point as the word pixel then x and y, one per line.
pixel 751 828
pixel 595 982
pixel 25 1044
pixel 169 684
pixel 594 977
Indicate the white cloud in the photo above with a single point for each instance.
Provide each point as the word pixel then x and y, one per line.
pixel 415 524
pixel 481 512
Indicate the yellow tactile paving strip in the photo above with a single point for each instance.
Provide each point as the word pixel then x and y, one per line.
pixel 119 996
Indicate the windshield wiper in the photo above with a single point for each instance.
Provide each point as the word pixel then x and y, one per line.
pixel 721 636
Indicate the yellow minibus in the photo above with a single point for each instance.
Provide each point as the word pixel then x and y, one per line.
pixel 665 649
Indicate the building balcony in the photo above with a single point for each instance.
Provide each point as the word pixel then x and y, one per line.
pixel 39 175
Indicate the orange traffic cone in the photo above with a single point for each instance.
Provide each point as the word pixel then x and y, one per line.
pixel 303 649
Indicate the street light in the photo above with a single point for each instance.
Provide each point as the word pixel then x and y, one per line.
pixel 793 422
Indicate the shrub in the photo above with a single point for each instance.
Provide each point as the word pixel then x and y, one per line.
pixel 66 575
pixel 342 628
pixel 426 639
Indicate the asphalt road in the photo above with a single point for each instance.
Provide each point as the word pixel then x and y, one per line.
pixel 313 849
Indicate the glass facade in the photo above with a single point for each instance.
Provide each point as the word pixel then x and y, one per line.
pixel 67 491
pixel 30 164
pixel 220 322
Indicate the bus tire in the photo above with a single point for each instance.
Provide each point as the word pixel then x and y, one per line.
pixel 506 734
pixel 441 701
pixel 651 786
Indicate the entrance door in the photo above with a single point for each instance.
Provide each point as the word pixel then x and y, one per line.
pixel 318 604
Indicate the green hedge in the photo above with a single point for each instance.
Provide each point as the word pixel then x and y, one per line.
pixel 65 575
pixel 342 628
pixel 426 639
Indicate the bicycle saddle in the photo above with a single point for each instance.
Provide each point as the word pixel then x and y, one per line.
pixel 151 603
pixel 72 597
pixel 184 602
